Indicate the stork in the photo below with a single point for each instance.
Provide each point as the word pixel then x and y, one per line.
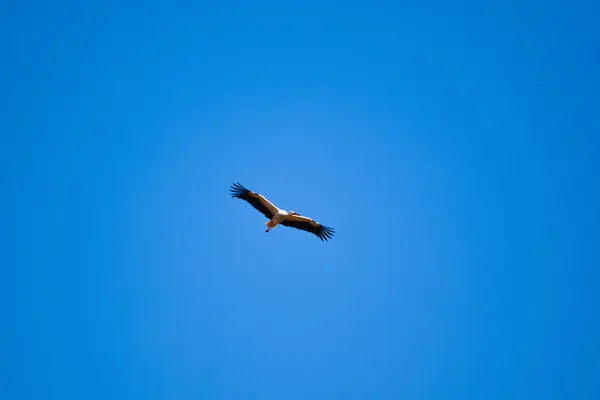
pixel 278 216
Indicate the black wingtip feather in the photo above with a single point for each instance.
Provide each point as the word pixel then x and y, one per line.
pixel 325 233
pixel 237 190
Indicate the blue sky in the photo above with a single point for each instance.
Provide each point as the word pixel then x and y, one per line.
pixel 451 145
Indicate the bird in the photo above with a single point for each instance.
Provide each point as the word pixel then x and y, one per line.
pixel 278 216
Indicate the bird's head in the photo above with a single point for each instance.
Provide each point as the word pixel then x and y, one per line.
pixel 293 213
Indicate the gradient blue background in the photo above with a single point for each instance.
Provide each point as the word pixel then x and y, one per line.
pixel 453 147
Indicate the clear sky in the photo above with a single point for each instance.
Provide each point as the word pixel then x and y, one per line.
pixel 453 147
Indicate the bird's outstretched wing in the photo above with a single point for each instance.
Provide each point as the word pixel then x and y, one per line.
pixel 309 225
pixel 256 200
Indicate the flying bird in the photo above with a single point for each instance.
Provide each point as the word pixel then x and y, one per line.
pixel 278 216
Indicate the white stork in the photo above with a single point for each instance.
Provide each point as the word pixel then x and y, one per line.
pixel 278 216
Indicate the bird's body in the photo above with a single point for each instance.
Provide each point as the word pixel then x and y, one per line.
pixel 279 216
